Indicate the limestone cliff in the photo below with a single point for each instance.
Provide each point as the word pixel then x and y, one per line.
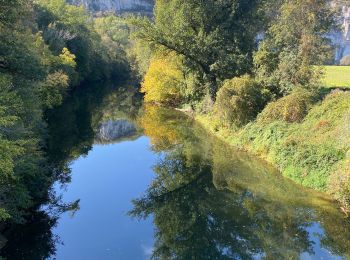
pixel 341 38
pixel 118 6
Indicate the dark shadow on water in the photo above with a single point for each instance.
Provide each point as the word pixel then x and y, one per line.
pixel 71 133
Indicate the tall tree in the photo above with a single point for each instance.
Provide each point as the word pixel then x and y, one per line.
pixel 295 40
pixel 216 38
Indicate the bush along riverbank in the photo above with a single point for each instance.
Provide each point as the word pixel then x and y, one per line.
pixel 309 143
pixel 253 73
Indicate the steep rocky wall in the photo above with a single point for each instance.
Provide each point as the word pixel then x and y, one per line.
pixel 341 38
pixel 118 6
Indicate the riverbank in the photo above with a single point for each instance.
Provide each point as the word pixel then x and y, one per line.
pixel 314 152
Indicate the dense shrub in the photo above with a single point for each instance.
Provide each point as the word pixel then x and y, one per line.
pixel 345 61
pixel 291 108
pixel 339 184
pixel 339 181
pixel 54 88
pixel 205 106
pixel 239 100
pixel 308 152
pixel 343 130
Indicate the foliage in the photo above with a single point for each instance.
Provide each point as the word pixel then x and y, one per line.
pixel 71 30
pixel 139 55
pixel 336 77
pixel 10 149
pixel 295 40
pixel 53 89
pixel 163 81
pixel 239 100
pixel 291 108
pixel 308 152
pixel 215 38
pixel 204 106
pixel 11 10
pixel 67 58
pixel 45 47
pixel 10 104
pixel 339 184
pixel 114 32
pixel 24 61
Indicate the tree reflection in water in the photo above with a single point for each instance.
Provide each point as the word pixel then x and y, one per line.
pixel 71 132
pixel 212 202
pixel 208 201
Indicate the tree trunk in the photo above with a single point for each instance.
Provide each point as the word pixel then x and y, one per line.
pixel 213 87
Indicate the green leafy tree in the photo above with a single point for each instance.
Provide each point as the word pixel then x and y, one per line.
pixel 98 49
pixel 46 46
pixel 11 11
pixel 295 40
pixel 54 88
pixel 216 38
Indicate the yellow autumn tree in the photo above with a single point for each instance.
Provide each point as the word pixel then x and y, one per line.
pixel 163 81
pixel 68 58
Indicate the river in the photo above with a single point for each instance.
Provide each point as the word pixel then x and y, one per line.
pixel 136 182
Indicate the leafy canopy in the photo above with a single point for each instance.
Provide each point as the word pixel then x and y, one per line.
pixel 163 80
pixel 216 38
pixel 295 40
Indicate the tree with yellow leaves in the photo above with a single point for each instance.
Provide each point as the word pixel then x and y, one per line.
pixel 164 81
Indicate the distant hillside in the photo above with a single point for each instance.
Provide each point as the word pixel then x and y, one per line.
pixel 118 6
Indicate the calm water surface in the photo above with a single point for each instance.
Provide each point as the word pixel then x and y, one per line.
pixel 105 182
pixel 140 183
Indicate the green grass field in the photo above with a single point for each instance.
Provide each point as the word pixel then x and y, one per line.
pixel 337 77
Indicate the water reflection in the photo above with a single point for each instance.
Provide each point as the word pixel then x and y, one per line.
pixel 71 133
pixel 32 241
pixel 114 130
pixel 207 200
pixel 211 202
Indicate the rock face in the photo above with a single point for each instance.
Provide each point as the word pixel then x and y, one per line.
pixel 341 38
pixel 113 131
pixel 118 6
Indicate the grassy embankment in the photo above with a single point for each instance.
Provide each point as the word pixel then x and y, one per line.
pixel 314 152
